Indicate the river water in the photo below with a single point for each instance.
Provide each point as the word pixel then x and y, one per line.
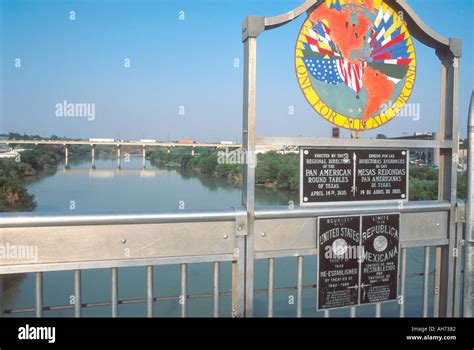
pixel 81 190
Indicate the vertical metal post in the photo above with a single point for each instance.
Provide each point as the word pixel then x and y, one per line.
pixel 39 293
pixel 468 307
pixel 270 286
pixel 77 293
pixel 183 299
pixel 114 291
pixel 426 278
pixel 299 288
pixel 252 27
pixel 149 291
pixel 235 289
pixel 437 283
pixel 458 288
pixel 238 265
pixel 448 166
pixel 1 296
pixel 402 282
pixel 216 289
pixel 378 310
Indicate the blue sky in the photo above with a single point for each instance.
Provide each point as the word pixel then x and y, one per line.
pixel 188 63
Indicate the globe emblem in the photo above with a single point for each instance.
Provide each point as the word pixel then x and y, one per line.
pixel 339 247
pixel 355 62
pixel 380 243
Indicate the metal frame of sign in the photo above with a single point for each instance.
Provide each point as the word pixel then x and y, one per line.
pixel 359 263
pixel 317 204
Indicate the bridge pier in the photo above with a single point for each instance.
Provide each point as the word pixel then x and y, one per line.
pixel 193 152
pixel 144 156
pixel 66 157
pixel 119 159
pixel 93 156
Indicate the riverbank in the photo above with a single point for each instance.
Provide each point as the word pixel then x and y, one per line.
pixel 29 164
pixel 273 170
pixel 15 174
pixel 280 172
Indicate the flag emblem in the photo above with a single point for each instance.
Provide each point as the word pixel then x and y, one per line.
pixel 353 59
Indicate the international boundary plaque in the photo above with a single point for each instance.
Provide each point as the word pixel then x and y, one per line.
pixel 358 259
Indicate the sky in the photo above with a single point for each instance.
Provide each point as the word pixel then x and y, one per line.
pixel 173 69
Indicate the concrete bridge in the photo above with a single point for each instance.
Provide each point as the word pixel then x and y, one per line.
pixel 118 143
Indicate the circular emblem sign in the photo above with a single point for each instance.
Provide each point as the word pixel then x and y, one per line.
pixel 355 62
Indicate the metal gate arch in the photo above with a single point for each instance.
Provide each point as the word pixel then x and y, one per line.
pixel 448 295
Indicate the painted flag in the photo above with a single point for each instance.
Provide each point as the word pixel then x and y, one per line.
pixel 351 74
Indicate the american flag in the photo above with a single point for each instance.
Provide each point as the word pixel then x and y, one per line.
pixel 324 70
pixel 334 72
pixel 351 73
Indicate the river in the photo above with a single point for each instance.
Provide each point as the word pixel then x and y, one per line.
pixel 81 190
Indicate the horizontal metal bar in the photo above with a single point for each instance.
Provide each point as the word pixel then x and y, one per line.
pixel 424 243
pixel 352 143
pixel 112 263
pixel 168 298
pixel 155 299
pixel 283 212
pixel 38 220
pixel 308 252
pixel 285 253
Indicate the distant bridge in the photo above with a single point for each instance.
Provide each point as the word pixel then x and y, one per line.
pixel 118 144
pixel 114 172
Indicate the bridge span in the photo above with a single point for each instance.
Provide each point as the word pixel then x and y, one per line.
pixel 118 144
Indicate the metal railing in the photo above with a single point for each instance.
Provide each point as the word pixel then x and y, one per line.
pixel 77 243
